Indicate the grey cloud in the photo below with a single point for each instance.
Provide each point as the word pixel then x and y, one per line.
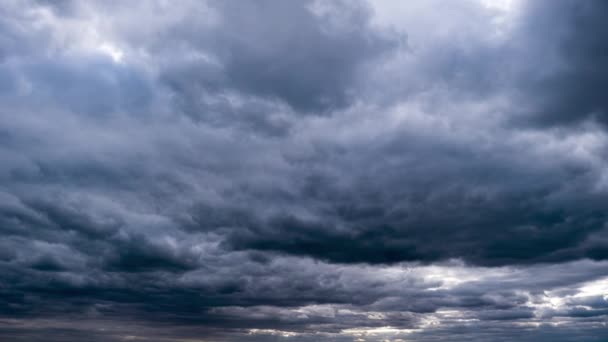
pixel 566 88
pixel 296 171
pixel 288 52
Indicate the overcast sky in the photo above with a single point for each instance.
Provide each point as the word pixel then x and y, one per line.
pixel 219 171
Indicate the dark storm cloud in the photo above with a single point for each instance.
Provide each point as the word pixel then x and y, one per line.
pixel 307 54
pixel 568 39
pixel 443 189
pixel 275 170
pixel 263 63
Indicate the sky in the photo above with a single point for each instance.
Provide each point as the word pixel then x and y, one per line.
pixel 307 170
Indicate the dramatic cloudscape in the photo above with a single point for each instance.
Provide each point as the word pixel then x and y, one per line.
pixel 347 171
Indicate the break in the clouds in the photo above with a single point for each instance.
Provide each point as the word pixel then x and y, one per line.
pixel 303 170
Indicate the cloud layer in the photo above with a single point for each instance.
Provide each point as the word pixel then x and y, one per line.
pixel 339 171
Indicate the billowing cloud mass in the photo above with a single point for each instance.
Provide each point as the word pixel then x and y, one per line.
pixel 303 170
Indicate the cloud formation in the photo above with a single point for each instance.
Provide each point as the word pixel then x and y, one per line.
pixel 310 171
